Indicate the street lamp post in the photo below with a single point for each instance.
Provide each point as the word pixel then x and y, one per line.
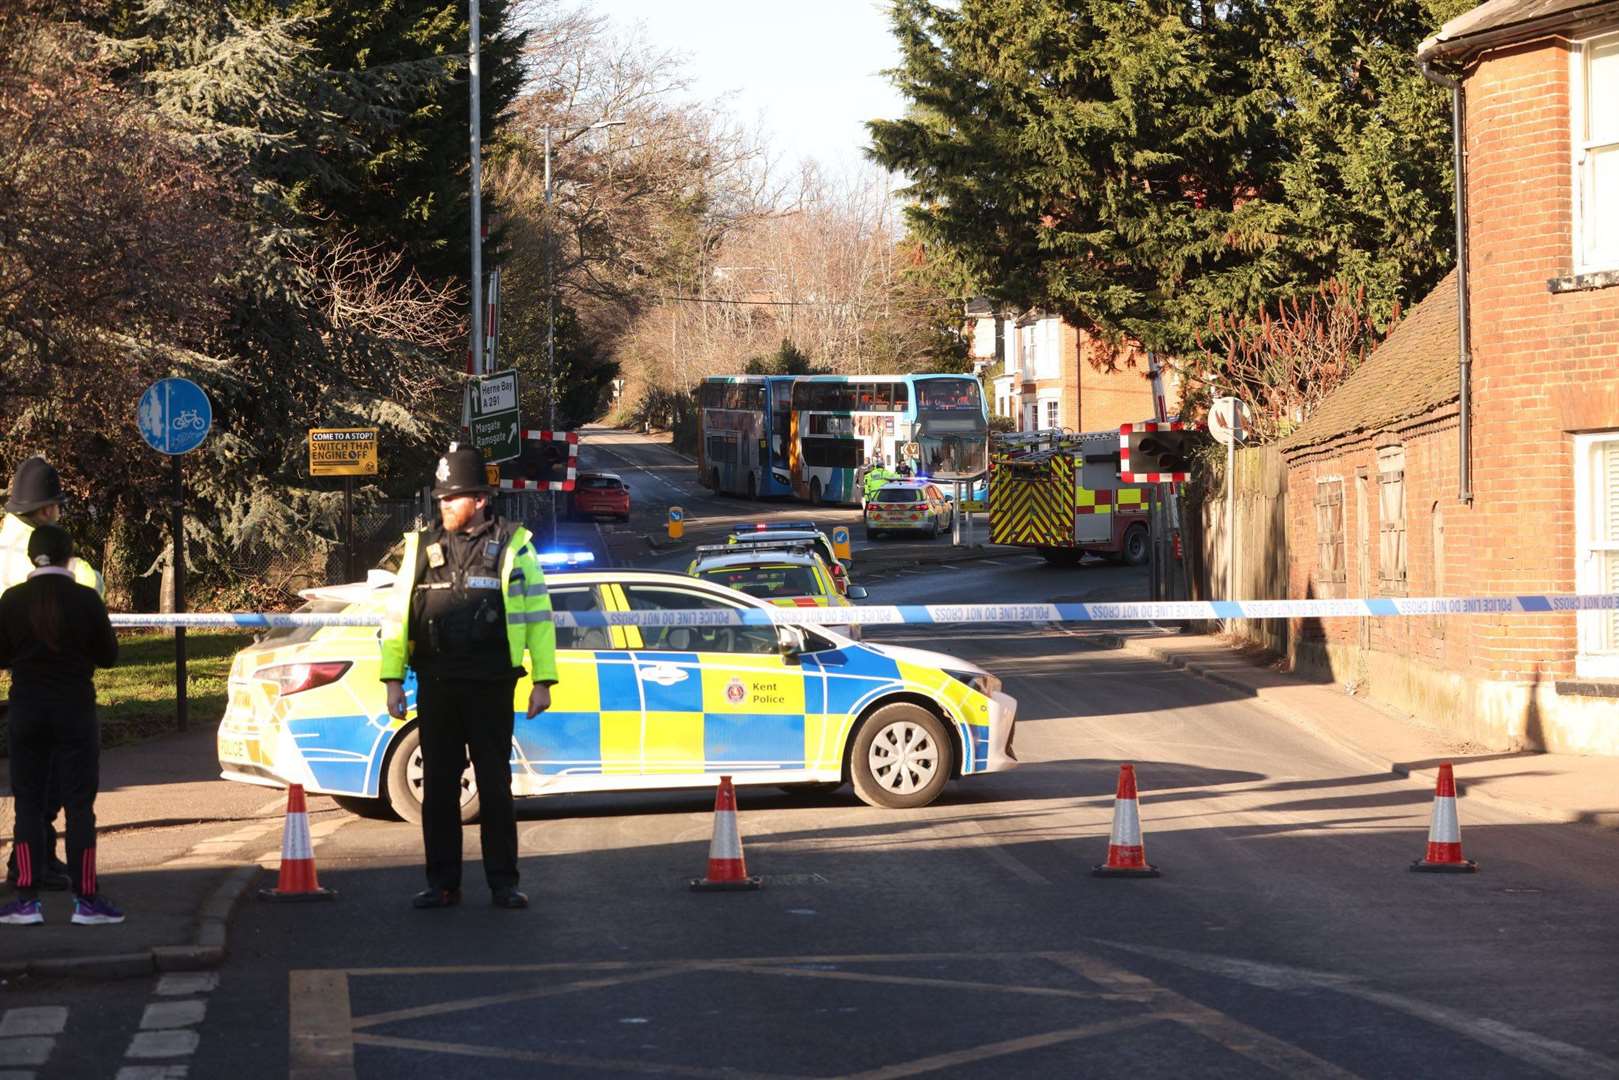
pixel 551 302
pixel 475 366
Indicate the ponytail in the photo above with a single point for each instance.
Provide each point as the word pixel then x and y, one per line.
pixel 45 616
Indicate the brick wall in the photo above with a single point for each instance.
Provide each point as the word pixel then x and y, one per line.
pixel 1108 398
pixel 1544 364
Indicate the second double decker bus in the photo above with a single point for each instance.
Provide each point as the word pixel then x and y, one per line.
pixel 935 424
pixel 742 434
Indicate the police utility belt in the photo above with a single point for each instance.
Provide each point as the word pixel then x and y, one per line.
pixel 467 627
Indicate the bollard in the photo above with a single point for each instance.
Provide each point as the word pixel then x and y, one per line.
pixel 840 542
pixel 677 522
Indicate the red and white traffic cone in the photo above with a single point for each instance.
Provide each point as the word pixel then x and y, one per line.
pixel 727 871
pixel 297 881
pixel 1126 857
pixel 1444 832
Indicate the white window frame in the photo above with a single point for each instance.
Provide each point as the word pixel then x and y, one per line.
pixel 1048 405
pixel 1598 653
pixel 1581 147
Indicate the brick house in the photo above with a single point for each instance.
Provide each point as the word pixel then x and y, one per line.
pixel 1425 476
pixel 1048 373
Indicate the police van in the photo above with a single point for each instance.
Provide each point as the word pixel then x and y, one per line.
pixel 636 708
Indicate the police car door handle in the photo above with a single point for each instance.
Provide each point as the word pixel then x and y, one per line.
pixel 664 674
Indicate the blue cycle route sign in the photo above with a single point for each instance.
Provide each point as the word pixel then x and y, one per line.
pixel 174 416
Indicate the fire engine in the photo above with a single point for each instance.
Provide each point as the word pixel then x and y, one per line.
pixel 1060 493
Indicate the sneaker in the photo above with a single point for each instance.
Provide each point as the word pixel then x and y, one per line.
pixel 22 912
pixel 95 911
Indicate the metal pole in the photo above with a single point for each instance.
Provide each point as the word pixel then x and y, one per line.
pixel 181 707
pixel 473 79
pixel 348 528
pixel 955 518
pixel 550 326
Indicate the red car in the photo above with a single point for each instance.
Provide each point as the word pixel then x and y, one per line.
pixel 600 495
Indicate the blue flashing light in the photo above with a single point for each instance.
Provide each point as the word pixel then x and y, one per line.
pixel 565 558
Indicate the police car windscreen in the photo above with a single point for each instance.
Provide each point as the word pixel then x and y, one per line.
pixel 294 635
pixel 766 582
pixel 894 494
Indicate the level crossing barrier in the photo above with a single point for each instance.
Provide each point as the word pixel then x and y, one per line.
pixel 948 614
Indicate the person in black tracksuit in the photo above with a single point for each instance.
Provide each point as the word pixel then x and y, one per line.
pixel 54 633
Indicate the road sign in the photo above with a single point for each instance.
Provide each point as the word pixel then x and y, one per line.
pixel 840 541
pixel 174 416
pixel 1230 418
pixel 677 522
pixel 343 451
pixel 495 424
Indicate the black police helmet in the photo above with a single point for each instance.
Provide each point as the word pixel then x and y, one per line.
pixel 50 545
pixel 461 472
pixel 34 485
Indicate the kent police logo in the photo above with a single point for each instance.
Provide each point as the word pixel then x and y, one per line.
pixel 735 692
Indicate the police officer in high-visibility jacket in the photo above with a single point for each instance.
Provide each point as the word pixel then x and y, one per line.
pixel 35 499
pixel 468 602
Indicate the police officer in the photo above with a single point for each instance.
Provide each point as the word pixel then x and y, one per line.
pixel 35 499
pixel 876 477
pixel 469 601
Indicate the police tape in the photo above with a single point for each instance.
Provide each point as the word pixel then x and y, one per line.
pixel 948 614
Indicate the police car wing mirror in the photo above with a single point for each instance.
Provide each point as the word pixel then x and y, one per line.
pixel 789 641
pixel 857 592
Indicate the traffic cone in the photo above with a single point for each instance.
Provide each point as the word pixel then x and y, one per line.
pixel 297 881
pixel 727 871
pixel 1444 833
pixel 1125 855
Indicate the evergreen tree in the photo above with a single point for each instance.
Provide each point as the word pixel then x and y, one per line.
pixel 1140 167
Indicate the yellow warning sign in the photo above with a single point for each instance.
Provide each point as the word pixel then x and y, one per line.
pixel 343 451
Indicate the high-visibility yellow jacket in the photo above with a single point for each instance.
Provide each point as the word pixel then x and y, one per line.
pixel 14 564
pixel 528 610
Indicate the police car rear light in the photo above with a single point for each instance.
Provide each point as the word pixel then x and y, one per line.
pixel 296 678
pixel 565 558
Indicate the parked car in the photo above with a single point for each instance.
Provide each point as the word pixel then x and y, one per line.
pixel 909 506
pixel 635 708
pixel 597 495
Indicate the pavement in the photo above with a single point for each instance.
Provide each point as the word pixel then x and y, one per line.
pixel 176 848
pixel 1548 787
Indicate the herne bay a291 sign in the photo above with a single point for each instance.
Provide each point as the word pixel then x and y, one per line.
pixel 493 419
pixel 343 451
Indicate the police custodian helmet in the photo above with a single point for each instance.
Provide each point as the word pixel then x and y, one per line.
pixel 34 485
pixel 461 472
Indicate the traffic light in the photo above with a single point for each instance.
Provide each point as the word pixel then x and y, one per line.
pixel 1158 453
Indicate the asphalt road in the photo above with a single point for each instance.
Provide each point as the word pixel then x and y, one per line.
pixel 1285 935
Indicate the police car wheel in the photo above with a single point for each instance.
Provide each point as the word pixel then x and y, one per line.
pixel 901 757
pixel 405 781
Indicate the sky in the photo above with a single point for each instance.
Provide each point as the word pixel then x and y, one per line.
pixel 806 73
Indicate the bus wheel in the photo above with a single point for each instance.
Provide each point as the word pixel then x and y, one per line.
pixel 815 492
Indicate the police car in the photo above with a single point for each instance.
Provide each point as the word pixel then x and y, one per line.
pixel 909 506
pixel 636 708
pixel 786 573
pixel 797 531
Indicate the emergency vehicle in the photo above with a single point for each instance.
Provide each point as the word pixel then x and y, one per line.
pixel 1060 493
pixel 636 707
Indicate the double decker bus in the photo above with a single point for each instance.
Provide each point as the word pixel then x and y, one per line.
pixel 742 434
pixel 935 424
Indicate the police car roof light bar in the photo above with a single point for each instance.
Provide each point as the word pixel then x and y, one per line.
pixel 767 525
pixel 564 558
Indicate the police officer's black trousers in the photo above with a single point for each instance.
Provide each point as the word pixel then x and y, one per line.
pixel 458 717
pixel 54 746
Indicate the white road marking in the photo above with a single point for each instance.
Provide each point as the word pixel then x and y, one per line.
pixel 153 1072
pixel 179 1042
pixel 173 1014
pixel 179 983
pixel 43 1020
pixel 26 1050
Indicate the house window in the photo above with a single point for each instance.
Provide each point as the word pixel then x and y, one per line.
pixel 1595 116
pixel 1052 411
pixel 1596 558
pixel 1391 520
pixel 1329 530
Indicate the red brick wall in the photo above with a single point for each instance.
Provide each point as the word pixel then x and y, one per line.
pixel 1106 398
pixel 1544 363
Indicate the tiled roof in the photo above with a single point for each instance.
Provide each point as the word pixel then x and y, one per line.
pixel 1500 16
pixel 1412 372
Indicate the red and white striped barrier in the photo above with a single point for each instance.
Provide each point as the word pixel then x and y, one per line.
pixel 727 870
pixel 1444 855
pixel 1126 855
